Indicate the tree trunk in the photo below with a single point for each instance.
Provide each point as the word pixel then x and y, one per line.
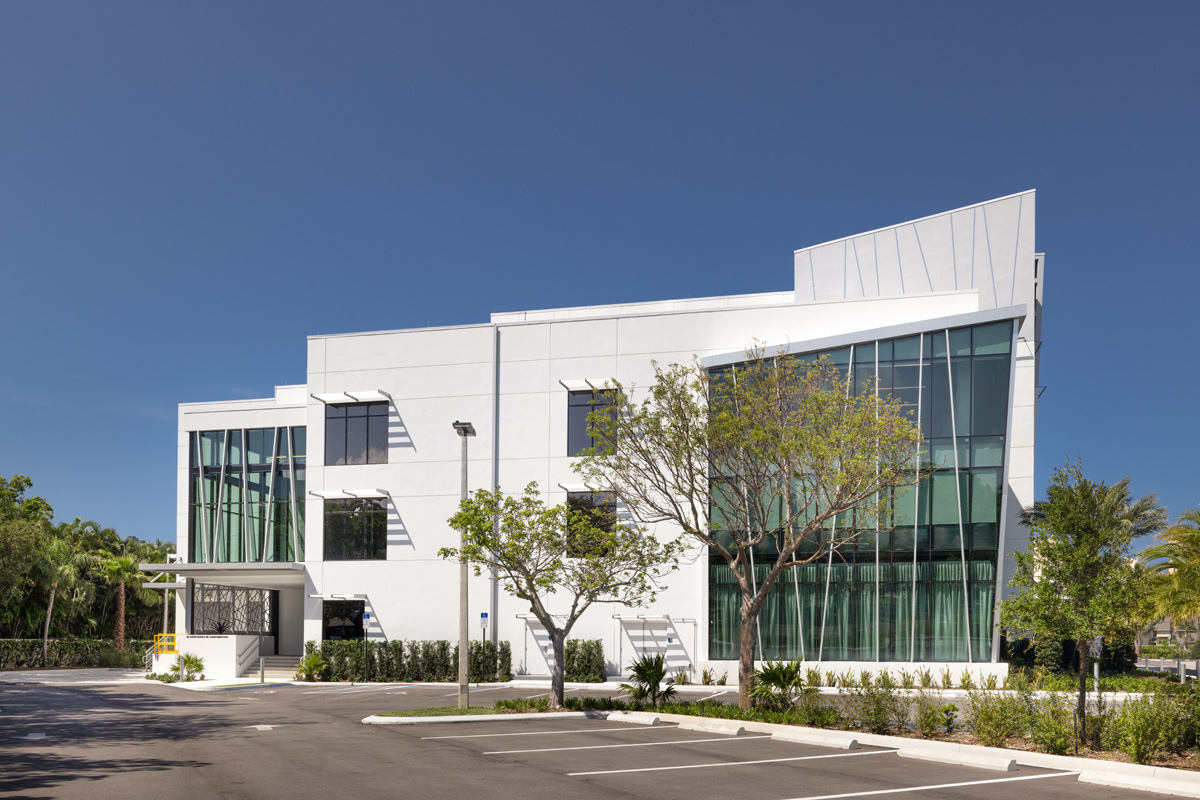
pixel 558 671
pixel 46 628
pixel 745 653
pixel 119 643
pixel 1081 705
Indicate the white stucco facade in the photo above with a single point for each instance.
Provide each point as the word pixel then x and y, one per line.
pixel 510 377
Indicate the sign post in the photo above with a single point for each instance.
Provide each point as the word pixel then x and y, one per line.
pixel 483 623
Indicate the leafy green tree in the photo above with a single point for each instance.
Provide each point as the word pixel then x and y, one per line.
pixel 539 551
pixel 14 504
pixel 1174 565
pixel 1076 580
pixel 19 543
pixel 121 572
pixel 61 567
pixel 775 451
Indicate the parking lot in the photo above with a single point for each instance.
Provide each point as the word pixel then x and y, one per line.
pixel 101 741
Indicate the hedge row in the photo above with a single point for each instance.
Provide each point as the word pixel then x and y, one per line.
pixel 412 660
pixel 584 661
pixel 17 653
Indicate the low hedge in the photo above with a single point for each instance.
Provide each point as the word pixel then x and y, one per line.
pixel 431 660
pixel 18 653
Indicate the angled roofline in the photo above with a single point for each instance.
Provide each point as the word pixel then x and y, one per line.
pixel 914 221
pixel 873 334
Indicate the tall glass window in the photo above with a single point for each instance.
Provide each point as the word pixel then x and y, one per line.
pixel 924 589
pixel 246 495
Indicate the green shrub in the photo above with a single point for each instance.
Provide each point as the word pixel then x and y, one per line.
pixel 812 677
pixel 950 717
pixel 312 667
pixel 1051 722
pixel 996 717
pixel 876 707
pixel 583 661
pixel 647 674
pixel 523 705
pixel 927 713
pixel 22 653
pixel 188 667
pixel 1048 653
pixel 1141 727
pixel 396 661
pixel 776 685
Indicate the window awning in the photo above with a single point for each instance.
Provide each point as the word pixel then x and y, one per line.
pixel 349 494
pixel 250 574
pixel 360 396
pixel 586 384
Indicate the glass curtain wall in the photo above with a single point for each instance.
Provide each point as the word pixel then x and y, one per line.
pixel 246 493
pixel 923 590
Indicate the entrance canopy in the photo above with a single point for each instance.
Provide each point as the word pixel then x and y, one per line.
pixel 254 575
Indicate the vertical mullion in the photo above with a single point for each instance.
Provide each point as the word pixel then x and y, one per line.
pixel 833 533
pixel 958 495
pixel 912 627
pixel 245 496
pixel 877 506
pixel 292 488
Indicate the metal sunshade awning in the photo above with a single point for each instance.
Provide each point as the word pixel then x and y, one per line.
pixel 350 494
pixel 363 396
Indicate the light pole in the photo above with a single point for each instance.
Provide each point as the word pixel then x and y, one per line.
pixel 464 430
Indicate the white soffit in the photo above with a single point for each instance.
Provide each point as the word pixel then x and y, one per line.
pixel 350 494
pixel 360 396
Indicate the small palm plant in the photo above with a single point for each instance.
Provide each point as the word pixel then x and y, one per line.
pixel 776 685
pixel 647 675
pixel 193 667
pixel 311 668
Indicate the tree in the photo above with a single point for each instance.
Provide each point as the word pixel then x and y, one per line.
pixel 538 551
pixel 776 449
pixel 19 543
pixel 1173 562
pixel 62 570
pixel 1076 579
pixel 121 571
pixel 14 504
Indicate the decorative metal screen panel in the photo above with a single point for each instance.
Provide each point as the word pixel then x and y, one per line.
pixel 230 610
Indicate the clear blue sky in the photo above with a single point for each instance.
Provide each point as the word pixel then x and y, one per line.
pixel 188 190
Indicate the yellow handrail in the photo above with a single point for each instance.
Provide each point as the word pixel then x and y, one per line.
pixel 164 644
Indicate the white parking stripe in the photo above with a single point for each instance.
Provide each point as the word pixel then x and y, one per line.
pixel 631 744
pixel 711 696
pixel 490 689
pixel 543 733
pixel 735 763
pixel 354 689
pixel 933 786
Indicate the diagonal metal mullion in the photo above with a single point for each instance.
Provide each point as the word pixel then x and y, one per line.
pixel 958 495
pixel 220 493
pixel 295 501
pixel 269 512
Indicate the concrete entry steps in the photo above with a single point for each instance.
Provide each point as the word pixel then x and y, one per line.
pixel 279 668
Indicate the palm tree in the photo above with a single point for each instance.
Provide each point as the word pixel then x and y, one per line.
pixel 62 569
pixel 1174 564
pixel 121 571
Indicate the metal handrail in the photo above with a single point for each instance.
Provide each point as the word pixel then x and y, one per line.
pixel 165 644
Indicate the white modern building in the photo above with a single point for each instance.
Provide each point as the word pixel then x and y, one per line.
pixel 301 514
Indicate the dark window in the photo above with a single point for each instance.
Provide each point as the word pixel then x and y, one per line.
pixel 342 619
pixel 356 434
pixel 579 405
pixel 599 510
pixel 355 530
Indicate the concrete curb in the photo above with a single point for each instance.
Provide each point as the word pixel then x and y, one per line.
pixel 633 717
pixel 374 719
pixel 1105 773
pixel 715 726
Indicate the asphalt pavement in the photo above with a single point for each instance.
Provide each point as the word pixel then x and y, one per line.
pixel 99 741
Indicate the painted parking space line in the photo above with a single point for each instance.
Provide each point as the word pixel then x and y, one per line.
pixel 473 691
pixel 935 786
pixel 547 733
pixel 627 744
pixel 356 689
pixel 711 696
pixel 736 763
